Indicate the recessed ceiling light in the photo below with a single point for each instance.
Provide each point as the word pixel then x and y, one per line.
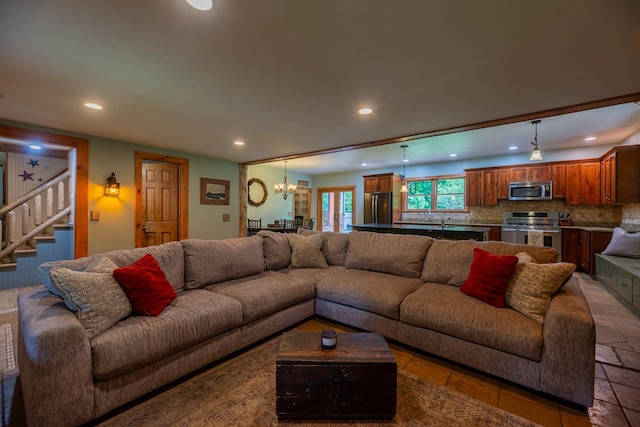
pixel 452 155
pixel 364 164
pixel 35 147
pixel 513 147
pixel 93 105
pixel 405 160
pixel 365 111
pixel 201 4
pixel 590 138
pixel 238 143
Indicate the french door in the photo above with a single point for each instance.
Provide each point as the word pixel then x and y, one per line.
pixel 336 208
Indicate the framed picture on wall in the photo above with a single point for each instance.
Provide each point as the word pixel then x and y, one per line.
pixel 214 191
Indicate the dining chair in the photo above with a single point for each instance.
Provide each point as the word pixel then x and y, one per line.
pixel 290 225
pixel 254 226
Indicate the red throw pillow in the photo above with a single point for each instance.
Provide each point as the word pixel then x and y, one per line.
pixel 146 286
pixel 489 276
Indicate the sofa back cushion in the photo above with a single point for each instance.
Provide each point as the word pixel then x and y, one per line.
pixel 276 248
pixel 212 261
pixel 334 245
pixel 449 261
pixel 399 254
pixel 170 257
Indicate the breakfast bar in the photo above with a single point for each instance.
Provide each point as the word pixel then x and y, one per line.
pixel 450 232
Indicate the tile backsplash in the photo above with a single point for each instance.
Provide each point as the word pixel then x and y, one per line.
pixel 631 217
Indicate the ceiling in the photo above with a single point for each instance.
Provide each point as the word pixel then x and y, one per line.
pixel 288 76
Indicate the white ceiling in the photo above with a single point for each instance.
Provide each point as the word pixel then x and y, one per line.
pixel 287 76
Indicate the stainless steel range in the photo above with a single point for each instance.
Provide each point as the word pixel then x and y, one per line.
pixel 518 227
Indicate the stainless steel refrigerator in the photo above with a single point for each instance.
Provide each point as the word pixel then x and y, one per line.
pixel 378 208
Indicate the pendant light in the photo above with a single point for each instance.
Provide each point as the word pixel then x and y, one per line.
pixel 536 154
pixel 284 187
pixel 403 188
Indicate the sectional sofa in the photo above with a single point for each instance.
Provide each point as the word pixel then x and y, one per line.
pixel 232 293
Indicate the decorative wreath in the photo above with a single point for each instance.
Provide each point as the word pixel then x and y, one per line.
pixel 265 193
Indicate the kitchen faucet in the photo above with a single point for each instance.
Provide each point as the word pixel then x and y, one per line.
pixel 427 214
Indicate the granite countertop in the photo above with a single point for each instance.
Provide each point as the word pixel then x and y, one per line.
pixel 586 228
pixel 449 224
pixel 423 226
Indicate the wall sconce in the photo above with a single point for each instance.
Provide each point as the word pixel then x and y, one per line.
pixel 112 187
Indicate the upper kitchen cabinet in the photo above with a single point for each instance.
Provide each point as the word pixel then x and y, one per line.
pixel 559 180
pixel 380 182
pixel 583 184
pixel 481 187
pixel 503 183
pixel 620 168
pixel 385 182
pixel 530 173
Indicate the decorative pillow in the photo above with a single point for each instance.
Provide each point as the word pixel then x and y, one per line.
pixel 525 257
pixel 488 277
pixel 623 244
pixel 97 299
pixel 306 251
pixel 277 252
pixel 530 289
pixel 146 286
pixel 334 245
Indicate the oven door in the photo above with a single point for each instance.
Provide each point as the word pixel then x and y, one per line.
pixel 551 238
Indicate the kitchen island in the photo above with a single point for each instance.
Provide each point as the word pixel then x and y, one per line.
pixel 449 232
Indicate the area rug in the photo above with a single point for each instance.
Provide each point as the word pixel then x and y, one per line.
pixel 7 354
pixel 241 392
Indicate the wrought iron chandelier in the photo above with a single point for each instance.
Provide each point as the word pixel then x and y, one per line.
pixel 284 187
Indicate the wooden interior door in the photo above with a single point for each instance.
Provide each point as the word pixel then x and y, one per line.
pixel 159 203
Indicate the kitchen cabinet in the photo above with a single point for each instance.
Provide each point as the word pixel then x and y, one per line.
pixel 481 187
pixel 583 183
pixel 559 180
pixel 579 247
pixel 503 184
pixel 620 168
pixel 380 182
pixel 530 173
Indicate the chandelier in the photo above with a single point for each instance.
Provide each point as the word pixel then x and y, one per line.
pixel 284 187
pixel 536 154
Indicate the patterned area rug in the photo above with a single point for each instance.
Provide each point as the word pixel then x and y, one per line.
pixel 241 392
pixel 7 355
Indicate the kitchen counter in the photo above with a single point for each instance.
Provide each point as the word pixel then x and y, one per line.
pixel 450 232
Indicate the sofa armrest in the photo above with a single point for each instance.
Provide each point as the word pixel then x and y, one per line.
pixel 54 358
pixel 568 355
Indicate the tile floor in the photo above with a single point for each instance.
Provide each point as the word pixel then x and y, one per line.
pixel 617 382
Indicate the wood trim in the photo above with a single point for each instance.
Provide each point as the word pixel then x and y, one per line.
pixel 243 194
pixel 81 145
pixel 634 97
pixel 321 190
pixel 183 197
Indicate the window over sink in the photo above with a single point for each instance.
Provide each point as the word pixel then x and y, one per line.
pixel 435 193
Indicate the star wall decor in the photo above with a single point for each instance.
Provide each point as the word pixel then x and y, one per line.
pixel 26 176
pixel 34 163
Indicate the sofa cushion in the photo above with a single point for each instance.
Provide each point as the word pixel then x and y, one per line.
pixel 212 261
pixel 170 257
pixel 379 293
pixel 444 309
pixel 146 286
pixel 449 261
pixel 137 341
pixel 489 275
pixel 277 252
pixel 305 251
pixel 530 289
pixel 97 299
pixel 265 293
pixel 399 254
pixel 314 274
pixel 334 245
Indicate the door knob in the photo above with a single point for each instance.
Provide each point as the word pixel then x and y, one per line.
pixel 145 228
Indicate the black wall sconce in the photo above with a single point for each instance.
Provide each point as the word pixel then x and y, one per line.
pixel 112 187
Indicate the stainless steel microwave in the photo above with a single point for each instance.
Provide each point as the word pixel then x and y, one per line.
pixel 530 190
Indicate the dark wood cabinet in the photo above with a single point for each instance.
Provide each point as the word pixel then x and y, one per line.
pixel 583 184
pixel 381 182
pixel 559 180
pixel 620 168
pixel 503 184
pixel 579 247
pixel 530 173
pixel 482 187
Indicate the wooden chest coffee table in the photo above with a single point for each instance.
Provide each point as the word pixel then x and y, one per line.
pixel 358 379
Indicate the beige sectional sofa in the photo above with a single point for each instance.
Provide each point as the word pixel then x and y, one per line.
pixel 232 293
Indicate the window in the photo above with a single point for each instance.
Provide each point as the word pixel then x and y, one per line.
pixel 436 193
